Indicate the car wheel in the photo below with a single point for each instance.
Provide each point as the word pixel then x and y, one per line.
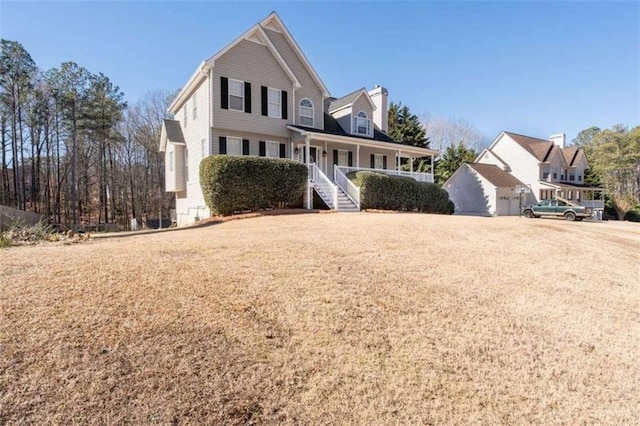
pixel 528 214
pixel 570 216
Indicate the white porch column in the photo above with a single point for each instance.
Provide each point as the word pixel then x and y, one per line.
pixel 411 164
pixel 358 156
pixel 399 154
pixel 325 159
pixel 307 149
pixel 291 151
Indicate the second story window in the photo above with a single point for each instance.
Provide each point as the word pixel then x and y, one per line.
pixel 195 106
pixel 170 161
pixel 362 124
pixel 184 115
pixel 274 103
pixel 306 112
pixel 236 95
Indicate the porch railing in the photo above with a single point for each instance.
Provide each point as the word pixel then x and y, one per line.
pixel 594 204
pixel 420 177
pixel 320 179
pixel 348 187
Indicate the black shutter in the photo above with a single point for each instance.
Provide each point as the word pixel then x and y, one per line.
pixel 223 145
pixel 284 104
pixel 263 98
pixel 384 162
pixel 283 151
pixel 245 146
pixel 373 161
pixel 263 149
pixel 247 97
pixel 224 93
pixel 335 156
pixel 350 158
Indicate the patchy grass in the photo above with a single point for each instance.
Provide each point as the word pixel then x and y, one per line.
pixel 332 319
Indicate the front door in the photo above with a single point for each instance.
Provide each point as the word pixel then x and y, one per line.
pixel 315 157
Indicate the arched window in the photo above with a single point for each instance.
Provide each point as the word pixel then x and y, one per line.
pixel 362 124
pixel 306 112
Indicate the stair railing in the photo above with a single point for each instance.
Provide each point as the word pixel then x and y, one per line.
pixel 317 177
pixel 348 187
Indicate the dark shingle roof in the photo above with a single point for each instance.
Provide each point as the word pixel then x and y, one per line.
pixel 345 100
pixel 495 175
pixel 174 131
pixel 539 148
pixel 332 127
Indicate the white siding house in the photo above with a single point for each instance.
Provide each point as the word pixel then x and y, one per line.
pixel 260 96
pixel 546 167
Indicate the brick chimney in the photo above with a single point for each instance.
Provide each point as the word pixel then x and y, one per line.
pixel 379 97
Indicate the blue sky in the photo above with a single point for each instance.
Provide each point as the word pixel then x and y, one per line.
pixel 536 68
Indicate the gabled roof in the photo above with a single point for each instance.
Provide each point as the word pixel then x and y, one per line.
pixel 171 132
pixel 572 155
pixel 539 148
pixel 494 174
pixel 256 34
pixel 488 151
pixel 350 99
pixel 332 127
pixel 274 21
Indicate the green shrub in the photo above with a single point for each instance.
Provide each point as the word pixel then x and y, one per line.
pixel 632 215
pixel 233 183
pixel 386 192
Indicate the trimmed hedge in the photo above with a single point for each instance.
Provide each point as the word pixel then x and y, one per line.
pixel 386 192
pixel 233 183
pixel 632 216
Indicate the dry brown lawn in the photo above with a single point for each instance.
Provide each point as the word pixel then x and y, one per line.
pixel 327 319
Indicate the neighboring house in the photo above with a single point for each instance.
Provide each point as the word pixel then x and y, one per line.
pixel 548 168
pixel 261 96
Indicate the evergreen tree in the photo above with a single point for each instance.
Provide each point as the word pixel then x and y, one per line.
pixel 451 160
pixel 405 127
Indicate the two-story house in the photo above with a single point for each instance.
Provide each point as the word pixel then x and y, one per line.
pixel 260 96
pixel 547 168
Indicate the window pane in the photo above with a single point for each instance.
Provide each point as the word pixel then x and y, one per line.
pixel 274 103
pixel 378 161
pixel 306 121
pixel 274 95
pixel 273 149
pixel 236 103
pixel 343 158
pixel 234 146
pixel 236 88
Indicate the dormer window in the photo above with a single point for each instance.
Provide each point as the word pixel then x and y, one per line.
pixel 306 112
pixel 362 124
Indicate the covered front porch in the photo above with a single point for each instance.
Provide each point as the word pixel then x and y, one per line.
pixel 355 154
pixel 330 158
pixel 587 196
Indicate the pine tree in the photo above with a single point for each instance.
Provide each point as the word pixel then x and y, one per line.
pixel 405 127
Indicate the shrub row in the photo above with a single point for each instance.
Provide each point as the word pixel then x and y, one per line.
pixel 385 192
pixel 234 183
pixel 632 215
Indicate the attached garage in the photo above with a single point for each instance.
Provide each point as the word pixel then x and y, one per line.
pixel 483 189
